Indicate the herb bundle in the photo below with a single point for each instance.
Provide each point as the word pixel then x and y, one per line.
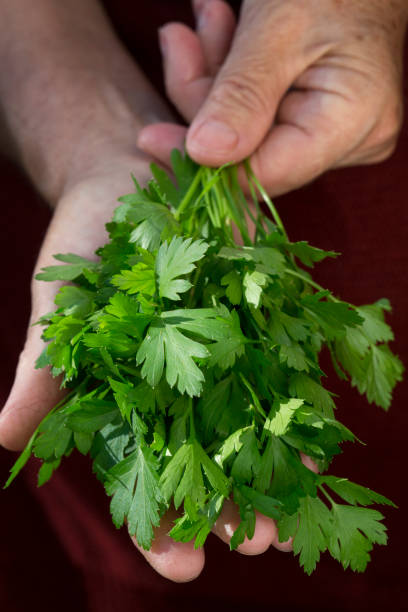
pixel 192 360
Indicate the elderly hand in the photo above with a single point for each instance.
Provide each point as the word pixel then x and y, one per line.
pixel 300 86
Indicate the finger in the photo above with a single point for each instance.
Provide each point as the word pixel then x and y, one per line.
pixel 249 86
pixel 176 561
pixel 185 75
pixel 159 139
pixel 215 27
pixel 228 521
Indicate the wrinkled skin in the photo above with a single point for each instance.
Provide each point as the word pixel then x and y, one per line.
pixel 300 86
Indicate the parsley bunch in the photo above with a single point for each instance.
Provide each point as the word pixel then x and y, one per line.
pixel 193 369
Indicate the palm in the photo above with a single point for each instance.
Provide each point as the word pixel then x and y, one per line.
pixel 77 226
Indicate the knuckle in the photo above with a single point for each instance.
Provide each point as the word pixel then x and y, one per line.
pixel 242 91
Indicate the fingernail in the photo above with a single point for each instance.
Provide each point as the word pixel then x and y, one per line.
pixel 214 136
pixel 162 41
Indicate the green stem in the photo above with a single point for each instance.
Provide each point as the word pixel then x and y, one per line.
pixel 190 192
pixel 310 282
pixel 268 202
pixel 332 502
pixel 192 427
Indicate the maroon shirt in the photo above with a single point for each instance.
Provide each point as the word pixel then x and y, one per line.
pixel 59 549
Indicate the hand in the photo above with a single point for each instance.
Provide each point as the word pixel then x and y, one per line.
pixel 301 86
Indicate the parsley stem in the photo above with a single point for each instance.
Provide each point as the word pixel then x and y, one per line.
pixel 192 427
pixel 190 192
pixel 326 495
pixel 129 369
pixel 310 282
pixel 266 199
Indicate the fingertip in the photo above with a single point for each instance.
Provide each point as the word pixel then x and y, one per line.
pixel 264 536
pixel 213 142
pixel 227 523
pixel 176 561
pixel 282 546
pixel 159 139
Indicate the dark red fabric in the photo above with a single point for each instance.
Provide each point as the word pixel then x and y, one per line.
pixel 59 549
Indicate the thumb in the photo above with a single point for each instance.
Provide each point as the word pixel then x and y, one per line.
pixel 265 58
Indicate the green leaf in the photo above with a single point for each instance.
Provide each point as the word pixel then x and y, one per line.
pixel 263 503
pixel 83 441
pixel 304 387
pixel 108 447
pixel 183 475
pixel 353 533
pixel 353 493
pixel 272 260
pixel 174 260
pixel 21 461
pixel 246 528
pixel 180 411
pixel 77 266
pixel 242 446
pixel 75 301
pixel 139 279
pixel 297 328
pixel 233 282
pixel 281 415
pixel 198 526
pixel 54 437
pixel 152 219
pixel 212 406
pixel 46 471
pixel 333 317
pixel 253 283
pixel 315 524
pixel 374 327
pixel 133 483
pixel 383 371
pixel 291 479
pixel 231 344
pixel 122 306
pixel 92 416
pixel 294 357
pixel 164 344
pixel 308 254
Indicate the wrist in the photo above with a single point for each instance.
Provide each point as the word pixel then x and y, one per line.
pixel 75 127
pixel 69 92
pixel 82 140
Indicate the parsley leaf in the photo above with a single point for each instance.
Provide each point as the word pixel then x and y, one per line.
pixel 174 260
pixel 133 484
